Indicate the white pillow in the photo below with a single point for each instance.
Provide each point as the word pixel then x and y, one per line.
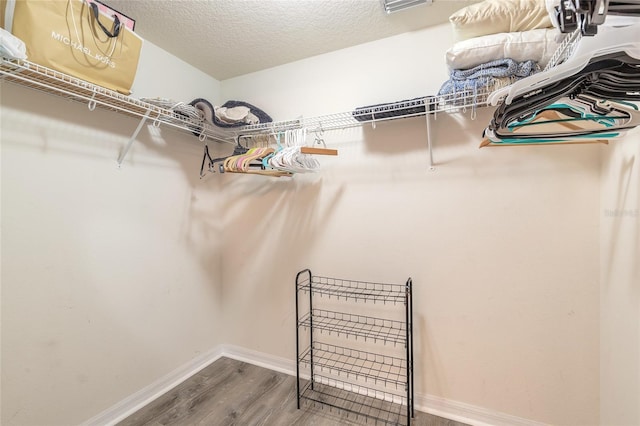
pixel 535 45
pixel 499 16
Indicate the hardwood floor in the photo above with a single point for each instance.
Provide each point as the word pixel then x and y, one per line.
pixel 230 392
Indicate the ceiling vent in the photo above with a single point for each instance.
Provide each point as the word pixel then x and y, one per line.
pixel 391 6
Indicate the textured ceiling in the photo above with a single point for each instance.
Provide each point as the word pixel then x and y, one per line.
pixel 227 38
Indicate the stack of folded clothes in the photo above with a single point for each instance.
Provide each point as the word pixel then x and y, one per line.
pixel 231 113
pixel 200 113
pixel 497 42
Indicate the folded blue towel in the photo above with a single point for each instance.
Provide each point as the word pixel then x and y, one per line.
pixel 485 74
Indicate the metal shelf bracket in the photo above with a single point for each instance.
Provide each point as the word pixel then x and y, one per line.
pixel 92 102
pixel 133 137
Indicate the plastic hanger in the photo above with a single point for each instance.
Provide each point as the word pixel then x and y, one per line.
pixel 290 158
pixel 242 163
pixel 581 118
pixel 265 160
pixel 594 76
pixel 611 40
pixel 238 149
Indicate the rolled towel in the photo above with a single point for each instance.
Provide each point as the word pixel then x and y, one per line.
pixel 205 106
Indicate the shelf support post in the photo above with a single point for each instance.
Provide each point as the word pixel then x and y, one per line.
pixel 133 137
pixel 311 329
pixel 428 109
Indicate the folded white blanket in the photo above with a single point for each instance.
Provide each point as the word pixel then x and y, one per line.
pixel 232 115
pixel 533 45
pixel 238 114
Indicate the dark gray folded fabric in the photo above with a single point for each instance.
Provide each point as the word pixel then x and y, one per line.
pixel 210 115
pixel 394 109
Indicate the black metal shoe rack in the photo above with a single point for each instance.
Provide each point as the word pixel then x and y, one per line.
pixel 354 347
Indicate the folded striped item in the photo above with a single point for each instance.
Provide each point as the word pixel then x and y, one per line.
pixel 393 109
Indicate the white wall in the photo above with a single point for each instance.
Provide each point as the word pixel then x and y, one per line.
pixel 160 74
pixel 111 278
pixel 400 67
pixel 620 283
pixel 502 243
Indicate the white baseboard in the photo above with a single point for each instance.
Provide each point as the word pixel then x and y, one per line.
pixel 272 362
pixel 144 396
pixel 452 410
pixel 449 409
pixel 467 413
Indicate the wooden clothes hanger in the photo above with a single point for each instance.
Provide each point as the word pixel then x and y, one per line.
pixel 319 141
pixel 269 161
pixel 487 142
pixel 318 151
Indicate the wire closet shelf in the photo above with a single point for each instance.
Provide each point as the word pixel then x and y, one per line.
pixel 374 405
pixel 368 366
pixel 43 79
pixel 353 290
pixel 468 99
pixel 50 81
pixel 46 80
